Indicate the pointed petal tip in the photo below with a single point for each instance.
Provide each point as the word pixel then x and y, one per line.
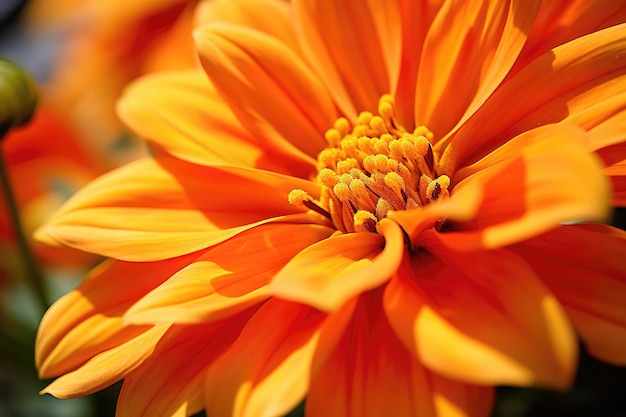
pixel 43 234
pixel 330 273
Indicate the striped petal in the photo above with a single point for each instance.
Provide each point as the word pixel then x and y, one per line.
pixel 355 47
pixel 218 284
pixel 544 92
pixel 482 318
pixel 583 265
pixel 417 17
pixel 329 273
pixel 171 381
pixel 268 87
pixel 469 49
pixel 561 21
pixel 266 371
pixel 272 17
pixel 158 209
pixel 368 372
pixel 614 157
pixel 527 186
pixel 182 113
pixel 107 367
pixel 87 320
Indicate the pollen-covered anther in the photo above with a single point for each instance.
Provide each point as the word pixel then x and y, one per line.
pixel 372 167
pixel 301 198
pixel 364 221
pixel 438 189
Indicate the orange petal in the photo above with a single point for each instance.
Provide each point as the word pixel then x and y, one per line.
pixel 266 371
pixel 481 317
pixel 543 89
pixel 218 284
pixel 460 207
pixel 269 88
pixel 469 49
pixel 527 186
pixel 417 17
pixel 356 47
pixel 272 17
pixel 171 381
pixel 583 265
pixel 182 112
pixel 159 209
pixel 560 21
pixel 327 274
pixel 614 157
pixel 598 106
pixel 108 367
pixel 370 373
pixel 87 320
pixel 609 130
pixel 605 116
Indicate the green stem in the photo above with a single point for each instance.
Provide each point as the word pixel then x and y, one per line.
pixel 34 274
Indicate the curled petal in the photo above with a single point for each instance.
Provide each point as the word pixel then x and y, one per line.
pixel 329 273
pixel 482 318
pixel 228 278
pixel 529 185
pixel 583 265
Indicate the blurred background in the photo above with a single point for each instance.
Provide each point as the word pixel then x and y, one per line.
pixel 82 54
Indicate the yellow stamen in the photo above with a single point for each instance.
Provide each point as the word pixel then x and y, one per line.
pixel 373 167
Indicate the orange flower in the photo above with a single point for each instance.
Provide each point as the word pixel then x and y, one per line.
pixel 369 205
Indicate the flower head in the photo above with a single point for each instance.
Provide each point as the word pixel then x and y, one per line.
pixel 369 205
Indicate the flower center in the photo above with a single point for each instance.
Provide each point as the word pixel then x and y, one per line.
pixel 371 168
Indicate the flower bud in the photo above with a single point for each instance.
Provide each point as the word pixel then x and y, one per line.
pixel 18 95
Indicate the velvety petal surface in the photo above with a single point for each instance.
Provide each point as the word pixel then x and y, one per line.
pixel 354 46
pixel 176 370
pixel 482 318
pixel 527 186
pixel 469 49
pixel 584 266
pixel 369 372
pixel 87 320
pixel 542 92
pixel 417 17
pixel 272 17
pixel 266 372
pixel 182 112
pixel 615 159
pixel 108 367
pixel 610 130
pixel 228 278
pixel 560 21
pixel 268 86
pixel 158 209
pixel 327 274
